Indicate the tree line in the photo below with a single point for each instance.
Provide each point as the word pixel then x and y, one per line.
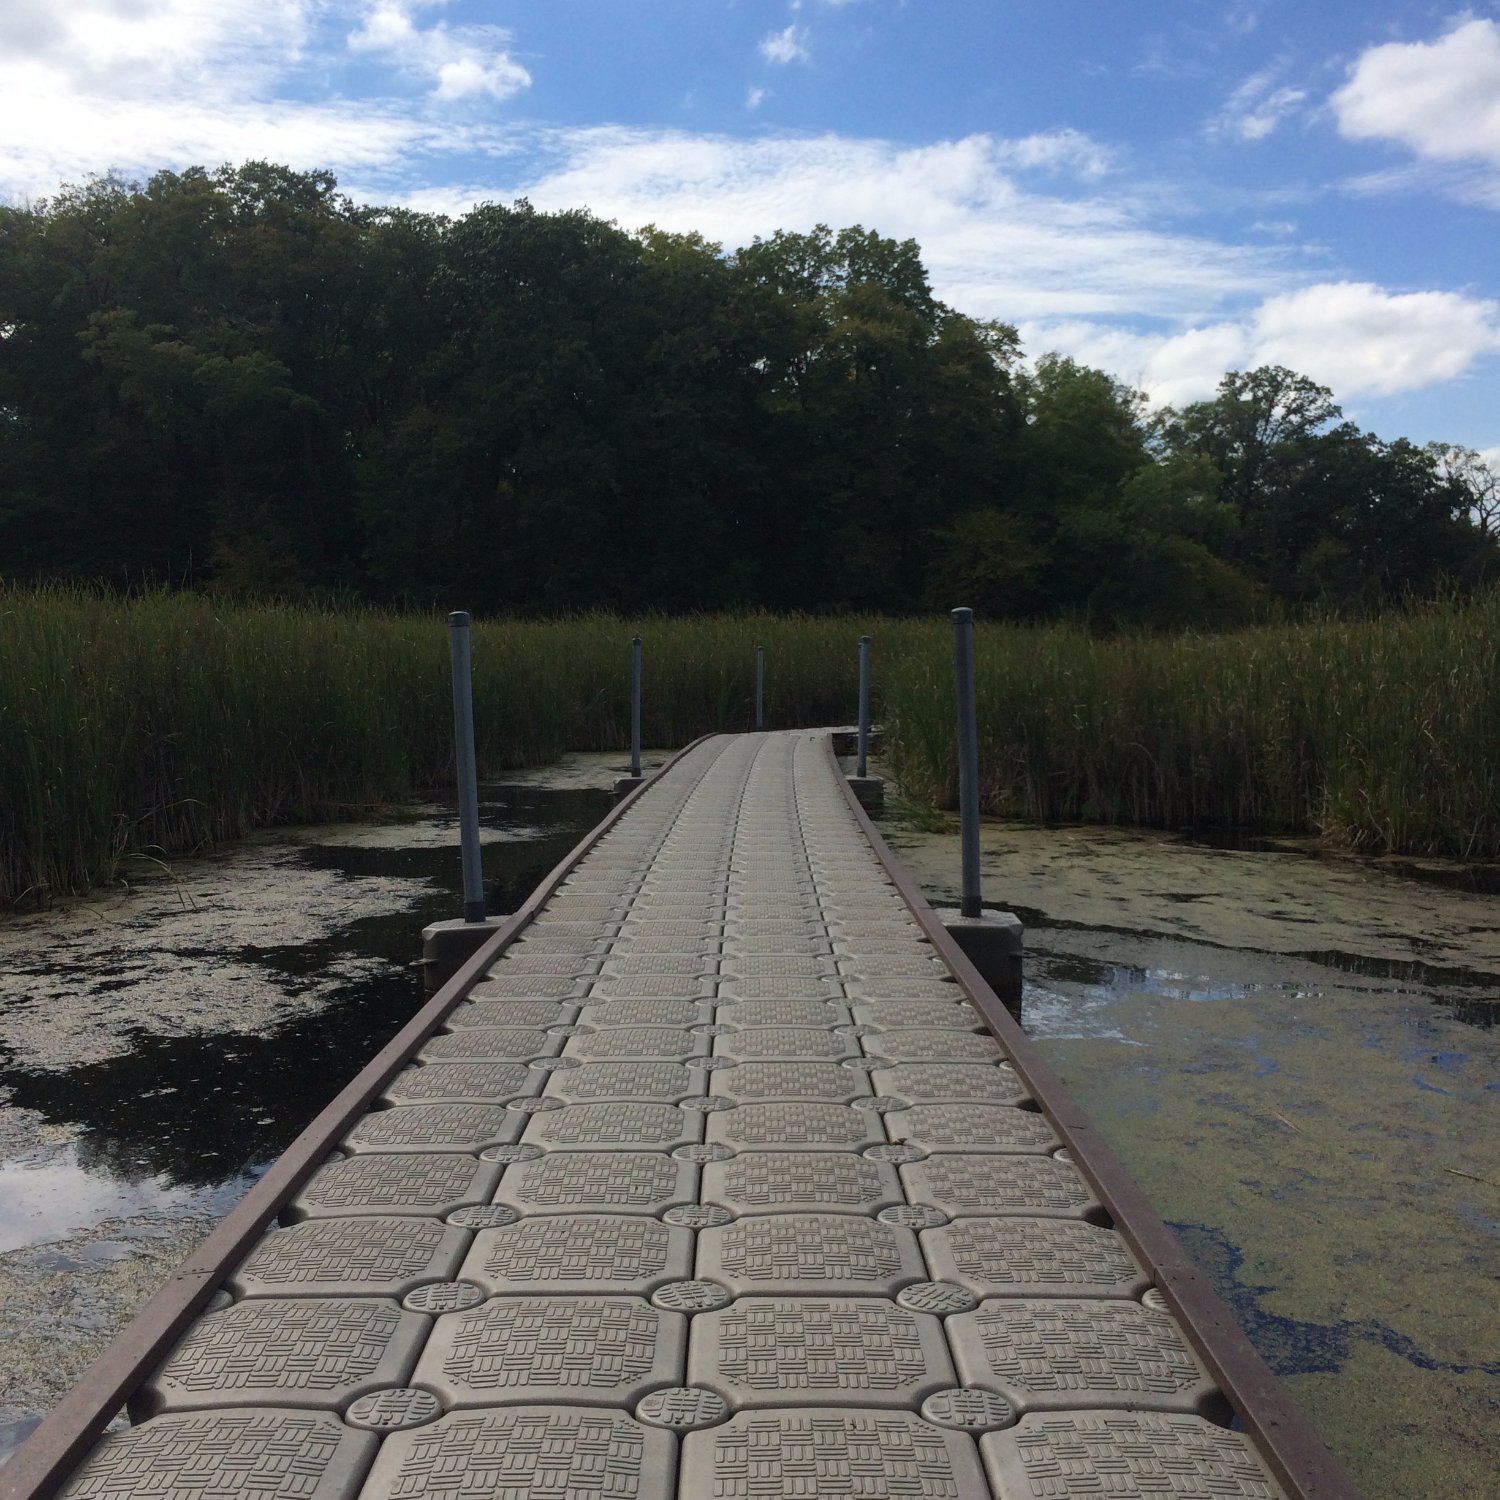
pixel 241 379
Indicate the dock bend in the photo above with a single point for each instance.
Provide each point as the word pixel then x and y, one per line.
pixel 718 1172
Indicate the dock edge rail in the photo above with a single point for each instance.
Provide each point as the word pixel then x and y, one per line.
pixel 1299 1459
pixel 48 1457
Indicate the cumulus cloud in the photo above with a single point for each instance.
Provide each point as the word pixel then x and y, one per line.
pixel 1439 99
pixel 461 62
pixel 787 46
pixel 1257 107
pixel 1355 337
pixel 755 97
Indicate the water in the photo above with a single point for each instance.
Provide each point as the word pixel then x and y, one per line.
pixel 161 1044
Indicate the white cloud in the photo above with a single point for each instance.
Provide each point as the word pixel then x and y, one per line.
pixel 1354 337
pixel 1440 99
pixel 1056 150
pixel 461 62
pixel 754 97
pixel 787 46
pixel 1255 109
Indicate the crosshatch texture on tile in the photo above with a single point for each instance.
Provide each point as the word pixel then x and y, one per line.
pixel 1019 1257
pixel 490 1043
pixel 665 1082
pixel 599 1182
pixel 981 1186
pixel 787 1078
pixel 357 1257
pixel 972 1127
pixel 809 1255
pixel 796 1125
pixel 956 1082
pixel 614 1126
pixel 434 1127
pixel 463 1083
pixel 628 1254
pixel 430 1185
pixel 758 1182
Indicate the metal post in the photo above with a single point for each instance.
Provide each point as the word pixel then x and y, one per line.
pixel 968 759
pixel 760 687
pixel 864 704
pixel 635 706
pixel 468 781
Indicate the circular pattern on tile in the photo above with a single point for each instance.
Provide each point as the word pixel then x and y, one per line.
pixel 533 1106
pixel 686 1406
pixel 706 1104
pixel 690 1296
pixel 712 1028
pixel 570 1031
pixel 913 1216
pixel 697 1215
pixel 483 1216
pixel 970 1410
pixel 552 1064
pixel 896 1153
pixel 1062 1154
pixel 711 1152
pixel 218 1302
pixel 860 1030
pixel 882 1104
pixel 443 1297
pixel 711 1064
pixel 1153 1299
pixel 510 1153
pixel 390 1411
pixel 936 1297
pixel 865 1064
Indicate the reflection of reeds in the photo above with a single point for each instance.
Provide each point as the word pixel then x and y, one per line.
pixel 168 721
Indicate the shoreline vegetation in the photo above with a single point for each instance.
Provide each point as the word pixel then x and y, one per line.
pixel 143 726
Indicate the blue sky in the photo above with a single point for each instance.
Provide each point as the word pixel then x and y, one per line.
pixel 1166 190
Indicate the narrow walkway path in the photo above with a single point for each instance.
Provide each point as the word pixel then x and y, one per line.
pixel 713 1187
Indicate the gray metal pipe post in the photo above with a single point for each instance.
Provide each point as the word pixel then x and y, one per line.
pixel 760 687
pixel 468 780
pixel 968 759
pixel 635 706
pixel 864 704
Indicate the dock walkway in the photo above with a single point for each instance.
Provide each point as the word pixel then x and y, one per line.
pixel 714 1182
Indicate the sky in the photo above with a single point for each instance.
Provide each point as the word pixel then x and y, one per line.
pixel 1166 189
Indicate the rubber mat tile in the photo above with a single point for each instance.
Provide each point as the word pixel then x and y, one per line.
pixel 535 1015
pixel 986 1186
pixel 599 1182
pixel 899 1013
pixel 662 1012
pixel 760 1182
pixel 294 1352
pixel 1016 1257
pixel 834 1455
pixel 857 1351
pixel 222 1455
pixel 464 1083
pixel 1046 1355
pixel 1125 1454
pixel 751 1042
pixel 615 1127
pixel 624 1254
pixel 428 1184
pixel 355 1257
pixel 972 1127
pixel 664 1081
pixel 795 1126
pixel 638 1044
pixel 784 1079
pixel 956 1083
pixel 934 1044
pixel 809 1255
pixel 434 1127
pixel 491 1044
pixel 602 1351
pixel 528 1453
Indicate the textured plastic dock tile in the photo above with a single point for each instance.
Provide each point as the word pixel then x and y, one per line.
pixel 497 986
pixel 840 1455
pixel 490 1044
pixel 615 1127
pixel 858 1351
pixel 798 968
pixel 646 1013
pixel 365 1257
pixel 972 1127
pixel 983 1186
pixel 527 1453
pixel 934 1044
pixel 809 943
pixel 434 1127
pixel 599 1182
pixel 666 1081
pixel 659 966
pixel 1125 1454
pixel 810 1255
pixel 771 988
pixel 942 1013
pixel 797 1014
pixel 1049 1355
pixel 759 1040
pixel 1033 1258
pixel 399 1183
pixel 644 1043
pixel 599 1253
pixel 787 1079
pixel 488 1083
pixel 759 1182
pixel 868 965
pixel 604 1351
pixel 303 1351
pixel 796 1126
pixel 228 1455
pixel 931 1083
pixel 530 1014
pixel 902 987
pixel 516 960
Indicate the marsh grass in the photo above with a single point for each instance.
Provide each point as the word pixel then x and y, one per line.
pixel 149 725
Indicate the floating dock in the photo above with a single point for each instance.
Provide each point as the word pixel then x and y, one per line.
pixel 718 1172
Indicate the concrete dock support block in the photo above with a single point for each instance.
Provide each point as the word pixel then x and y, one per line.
pixel 447 946
pixel 992 942
pixel 869 789
pixel 624 785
